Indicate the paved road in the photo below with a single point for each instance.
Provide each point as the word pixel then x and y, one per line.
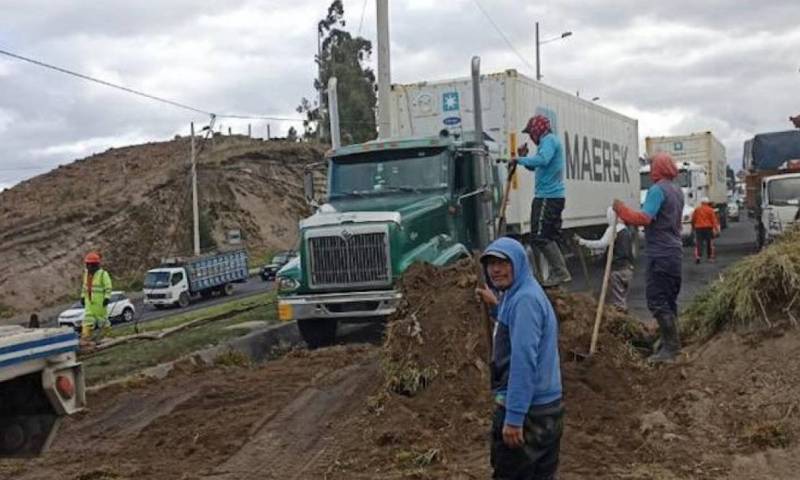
pixel 253 286
pixel 737 241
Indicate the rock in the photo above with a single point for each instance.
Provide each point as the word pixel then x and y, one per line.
pixel 655 421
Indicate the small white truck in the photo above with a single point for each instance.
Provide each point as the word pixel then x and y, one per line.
pixel 780 205
pixel 178 281
pixel 40 382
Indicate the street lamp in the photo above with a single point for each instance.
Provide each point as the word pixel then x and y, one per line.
pixel 542 42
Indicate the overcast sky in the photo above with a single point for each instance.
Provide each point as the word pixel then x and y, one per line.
pixel 679 66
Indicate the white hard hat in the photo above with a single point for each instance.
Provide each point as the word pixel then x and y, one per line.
pixel 705 200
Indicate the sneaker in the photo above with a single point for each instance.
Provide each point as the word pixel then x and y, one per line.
pixel 697 261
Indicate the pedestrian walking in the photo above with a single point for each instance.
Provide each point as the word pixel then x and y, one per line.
pixel 705 225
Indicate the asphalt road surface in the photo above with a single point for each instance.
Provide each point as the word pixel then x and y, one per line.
pixel 735 242
pixel 253 286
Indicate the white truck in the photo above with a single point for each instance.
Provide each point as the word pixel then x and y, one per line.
pixel 693 181
pixel 706 151
pixel 780 204
pixel 601 146
pixel 177 281
pixel 40 381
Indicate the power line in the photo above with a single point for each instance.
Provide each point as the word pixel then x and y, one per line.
pixel 143 94
pixel 500 31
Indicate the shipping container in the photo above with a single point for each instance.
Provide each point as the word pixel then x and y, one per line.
pixel 700 148
pixel 600 145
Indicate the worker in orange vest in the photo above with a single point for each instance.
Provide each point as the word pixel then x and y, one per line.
pixel 706 227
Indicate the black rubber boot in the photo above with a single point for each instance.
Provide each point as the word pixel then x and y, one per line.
pixel 670 341
pixel 558 267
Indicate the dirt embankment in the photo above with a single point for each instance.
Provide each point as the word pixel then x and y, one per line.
pixel 418 406
pixel 133 204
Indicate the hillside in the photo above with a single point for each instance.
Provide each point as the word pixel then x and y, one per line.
pixel 133 205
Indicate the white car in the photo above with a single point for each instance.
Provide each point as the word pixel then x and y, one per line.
pixel 120 309
pixel 734 212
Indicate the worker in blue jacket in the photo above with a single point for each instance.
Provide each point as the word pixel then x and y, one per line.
pixel 548 196
pixel 526 373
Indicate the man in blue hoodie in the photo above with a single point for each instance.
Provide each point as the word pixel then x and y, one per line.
pixel 526 373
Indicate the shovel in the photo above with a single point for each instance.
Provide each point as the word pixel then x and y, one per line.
pixel 602 300
pixel 501 222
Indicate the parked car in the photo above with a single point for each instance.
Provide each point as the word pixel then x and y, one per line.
pixel 120 309
pixel 734 212
pixel 269 270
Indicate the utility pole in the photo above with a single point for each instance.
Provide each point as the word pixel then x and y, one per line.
pixel 195 212
pixel 320 123
pixel 538 68
pixel 384 70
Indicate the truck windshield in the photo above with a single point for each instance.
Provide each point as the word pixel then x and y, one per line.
pixel 784 191
pixel 408 170
pixel 156 279
pixel 683 180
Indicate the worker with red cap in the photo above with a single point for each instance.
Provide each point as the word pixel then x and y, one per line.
pixel 95 297
pixel 548 196
pixel 661 218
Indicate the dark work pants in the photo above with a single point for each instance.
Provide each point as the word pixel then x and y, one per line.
pixel 546 220
pixel 663 285
pixel 704 240
pixel 537 459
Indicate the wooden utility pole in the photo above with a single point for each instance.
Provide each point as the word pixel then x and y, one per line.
pixel 195 210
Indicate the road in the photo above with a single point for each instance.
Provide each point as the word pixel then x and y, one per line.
pixel 253 286
pixel 735 242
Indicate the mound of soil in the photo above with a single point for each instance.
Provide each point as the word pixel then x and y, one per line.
pixel 432 416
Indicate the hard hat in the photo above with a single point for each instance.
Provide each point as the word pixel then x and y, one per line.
pixel 705 200
pixel 92 257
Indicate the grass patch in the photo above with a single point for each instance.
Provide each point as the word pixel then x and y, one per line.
pixel 254 301
pixel 7 311
pixel 135 356
pixel 749 291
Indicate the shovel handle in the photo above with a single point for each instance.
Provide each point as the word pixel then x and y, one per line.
pixel 602 300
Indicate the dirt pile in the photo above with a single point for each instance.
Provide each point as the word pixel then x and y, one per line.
pixel 431 419
pixel 133 204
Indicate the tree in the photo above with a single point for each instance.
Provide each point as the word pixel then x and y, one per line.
pixel 343 57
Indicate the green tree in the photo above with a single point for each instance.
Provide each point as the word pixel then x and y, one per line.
pixel 343 57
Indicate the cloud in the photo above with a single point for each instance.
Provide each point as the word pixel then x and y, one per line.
pixel 675 66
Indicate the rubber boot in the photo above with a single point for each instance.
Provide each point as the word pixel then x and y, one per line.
pixel 558 267
pixel 670 341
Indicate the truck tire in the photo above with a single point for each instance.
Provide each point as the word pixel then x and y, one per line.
pixel 318 332
pixel 183 300
pixel 227 289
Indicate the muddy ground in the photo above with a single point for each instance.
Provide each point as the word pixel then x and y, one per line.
pixel 418 407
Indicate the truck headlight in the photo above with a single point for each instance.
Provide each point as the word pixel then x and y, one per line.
pixel 287 284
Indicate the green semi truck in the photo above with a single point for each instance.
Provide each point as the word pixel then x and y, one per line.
pixel 389 203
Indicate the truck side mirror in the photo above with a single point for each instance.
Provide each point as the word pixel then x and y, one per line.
pixel 308 185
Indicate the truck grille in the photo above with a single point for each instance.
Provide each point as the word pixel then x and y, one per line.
pixel 349 259
pixel 156 296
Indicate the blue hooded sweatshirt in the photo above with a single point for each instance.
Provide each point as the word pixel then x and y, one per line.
pixel 525 366
pixel 548 164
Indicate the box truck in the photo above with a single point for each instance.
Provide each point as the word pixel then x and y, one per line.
pixel 177 281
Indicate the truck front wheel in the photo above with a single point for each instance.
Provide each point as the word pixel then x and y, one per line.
pixel 227 289
pixel 318 332
pixel 183 300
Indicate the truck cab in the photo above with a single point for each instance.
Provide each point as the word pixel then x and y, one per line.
pixel 389 204
pixel 780 205
pixel 166 287
pixel 693 182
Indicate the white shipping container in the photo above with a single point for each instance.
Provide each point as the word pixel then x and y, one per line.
pixel 701 148
pixel 600 145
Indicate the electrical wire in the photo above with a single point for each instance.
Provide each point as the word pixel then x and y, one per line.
pixel 500 31
pixel 143 94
